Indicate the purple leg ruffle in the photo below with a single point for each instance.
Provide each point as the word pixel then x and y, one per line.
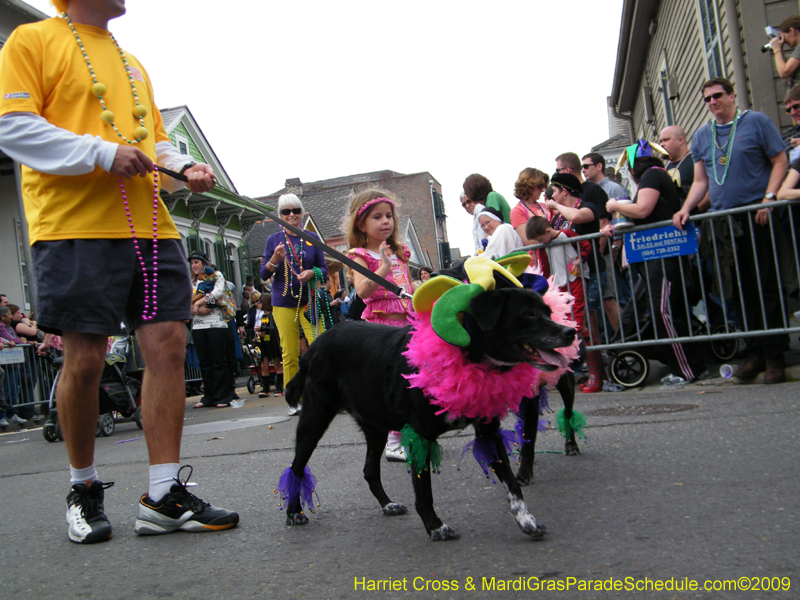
pixel 291 488
pixel 484 450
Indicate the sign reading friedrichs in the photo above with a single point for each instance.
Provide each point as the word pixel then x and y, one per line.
pixel 663 242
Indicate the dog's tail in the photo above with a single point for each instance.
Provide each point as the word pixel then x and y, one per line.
pixel 294 389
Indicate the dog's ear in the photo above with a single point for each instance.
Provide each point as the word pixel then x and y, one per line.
pixel 487 308
pixel 446 314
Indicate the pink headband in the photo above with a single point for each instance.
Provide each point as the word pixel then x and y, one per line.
pixel 373 202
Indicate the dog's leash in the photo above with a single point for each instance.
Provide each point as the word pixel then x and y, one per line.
pixel 267 210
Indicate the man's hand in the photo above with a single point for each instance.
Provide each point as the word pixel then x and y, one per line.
pixel 201 178
pixel 129 162
pixel 762 216
pixel 608 230
pixel 679 218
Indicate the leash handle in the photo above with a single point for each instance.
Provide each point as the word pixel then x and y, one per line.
pixel 269 211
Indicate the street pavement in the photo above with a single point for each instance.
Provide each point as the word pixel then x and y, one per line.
pixel 697 483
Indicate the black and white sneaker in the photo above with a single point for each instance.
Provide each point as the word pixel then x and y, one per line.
pixel 180 510
pixel 88 523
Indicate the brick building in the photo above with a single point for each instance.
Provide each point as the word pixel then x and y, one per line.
pixel 420 209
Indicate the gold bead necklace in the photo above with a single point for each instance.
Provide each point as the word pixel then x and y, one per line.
pixel 99 90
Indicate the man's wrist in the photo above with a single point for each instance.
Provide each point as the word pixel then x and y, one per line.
pixel 187 166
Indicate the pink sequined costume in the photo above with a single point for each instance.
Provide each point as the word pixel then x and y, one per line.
pixel 383 302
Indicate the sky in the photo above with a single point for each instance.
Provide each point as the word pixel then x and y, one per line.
pixel 317 90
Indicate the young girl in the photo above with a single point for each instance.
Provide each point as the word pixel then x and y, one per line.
pixel 372 237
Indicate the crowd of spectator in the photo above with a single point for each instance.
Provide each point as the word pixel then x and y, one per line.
pixel 737 159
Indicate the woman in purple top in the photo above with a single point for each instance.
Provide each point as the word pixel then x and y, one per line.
pixel 293 265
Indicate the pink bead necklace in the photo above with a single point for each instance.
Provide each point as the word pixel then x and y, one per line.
pixel 147 314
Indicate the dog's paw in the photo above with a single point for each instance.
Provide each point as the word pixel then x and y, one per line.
pixel 296 519
pixel 524 478
pixel 571 448
pixel 536 530
pixel 393 509
pixel 443 533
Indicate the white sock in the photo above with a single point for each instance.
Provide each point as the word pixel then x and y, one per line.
pixel 393 440
pixel 82 475
pixel 162 478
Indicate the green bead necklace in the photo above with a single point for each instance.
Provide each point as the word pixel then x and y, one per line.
pixel 727 158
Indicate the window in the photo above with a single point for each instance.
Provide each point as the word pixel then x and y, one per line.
pixel 182 144
pixel 669 115
pixel 23 265
pixel 709 26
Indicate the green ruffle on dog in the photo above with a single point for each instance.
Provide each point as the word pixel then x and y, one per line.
pixel 419 451
pixel 576 423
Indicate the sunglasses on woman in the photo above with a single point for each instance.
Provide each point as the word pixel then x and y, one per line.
pixel 291 211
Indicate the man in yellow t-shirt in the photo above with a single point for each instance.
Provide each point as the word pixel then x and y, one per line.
pixel 78 113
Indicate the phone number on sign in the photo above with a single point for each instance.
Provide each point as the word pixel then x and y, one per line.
pixel 661 250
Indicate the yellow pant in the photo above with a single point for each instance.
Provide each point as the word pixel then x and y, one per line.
pixel 289 332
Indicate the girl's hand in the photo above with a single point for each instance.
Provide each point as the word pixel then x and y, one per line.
pixel 608 230
pixel 305 276
pixel 279 254
pixel 552 205
pixel 776 44
pixel 611 205
pixel 383 248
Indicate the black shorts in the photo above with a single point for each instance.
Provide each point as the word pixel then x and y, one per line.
pixel 91 286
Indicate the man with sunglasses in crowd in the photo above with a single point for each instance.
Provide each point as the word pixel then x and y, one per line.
pixel 740 160
pixel 597 286
pixel 791 136
pixel 618 291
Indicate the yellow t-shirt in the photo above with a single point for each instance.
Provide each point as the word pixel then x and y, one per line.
pixel 43 71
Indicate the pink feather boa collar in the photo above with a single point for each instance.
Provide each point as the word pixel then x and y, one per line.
pixel 478 391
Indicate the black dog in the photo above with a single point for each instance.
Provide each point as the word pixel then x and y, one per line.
pixel 529 413
pixel 529 407
pixel 359 367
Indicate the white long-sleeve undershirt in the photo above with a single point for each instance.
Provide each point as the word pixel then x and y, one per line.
pixel 32 140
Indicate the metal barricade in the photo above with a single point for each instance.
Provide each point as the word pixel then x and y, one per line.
pixel 735 287
pixel 28 377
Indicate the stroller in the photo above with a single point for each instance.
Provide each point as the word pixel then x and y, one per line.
pixel 120 389
pixel 253 356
